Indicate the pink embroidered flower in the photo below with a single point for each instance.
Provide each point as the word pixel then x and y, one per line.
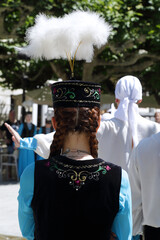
pixel 54 90
pixel 47 164
pixel 99 90
pixel 108 168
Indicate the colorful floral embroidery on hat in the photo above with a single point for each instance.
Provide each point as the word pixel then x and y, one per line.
pixel 74 93
pixel 92 93
pixel 64 93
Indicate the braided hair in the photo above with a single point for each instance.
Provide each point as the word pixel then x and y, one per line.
pixel 81 120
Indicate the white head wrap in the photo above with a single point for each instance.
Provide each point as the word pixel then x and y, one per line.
pixel 129 91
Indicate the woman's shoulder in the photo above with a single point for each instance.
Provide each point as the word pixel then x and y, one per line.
pixel 117 171
pixel 43 162
pixel 111 165
pixel 114 172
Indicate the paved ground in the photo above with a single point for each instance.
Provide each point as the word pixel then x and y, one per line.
pixel 9 211
pixel 4 237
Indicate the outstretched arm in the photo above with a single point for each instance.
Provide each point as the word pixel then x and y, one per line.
pixel 40 143
pixel 15 135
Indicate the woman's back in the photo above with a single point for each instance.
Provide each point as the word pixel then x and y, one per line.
pixel 73 194
pixel 75 197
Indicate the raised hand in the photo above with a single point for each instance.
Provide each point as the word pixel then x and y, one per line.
pixel 15 136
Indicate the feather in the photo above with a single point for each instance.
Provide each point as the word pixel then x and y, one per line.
pixel 77 32
pixel 92 31
pixel 47 39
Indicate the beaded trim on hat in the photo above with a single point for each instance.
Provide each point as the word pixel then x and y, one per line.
pixel 75 93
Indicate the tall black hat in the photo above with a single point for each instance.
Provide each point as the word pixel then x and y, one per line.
pixel 75 93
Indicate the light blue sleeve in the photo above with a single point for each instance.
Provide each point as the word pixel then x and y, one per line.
pixel 35 130
pixel 25 212
pixel 122 225
pixel 20 129
pixel 29 143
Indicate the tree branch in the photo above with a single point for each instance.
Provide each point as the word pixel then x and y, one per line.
pixel 99 78
pixel 117 72
pixel 130 69
pixel 115 48
pixel 128 61
pixel 19 76
pixel 38 74
pixel 57 69
pixel 24 11
pixel 98 51
pixel 88 70
pixel 4 57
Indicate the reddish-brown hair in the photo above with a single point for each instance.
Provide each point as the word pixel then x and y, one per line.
pixel 81 120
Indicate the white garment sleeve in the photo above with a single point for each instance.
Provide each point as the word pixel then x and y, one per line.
pixel 43 144
pixel 40 143
pixel 134 178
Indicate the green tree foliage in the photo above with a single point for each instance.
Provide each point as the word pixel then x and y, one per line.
pixel 133 47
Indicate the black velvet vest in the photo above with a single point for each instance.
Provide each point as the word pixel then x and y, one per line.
pixel 26 132
pixel 75 199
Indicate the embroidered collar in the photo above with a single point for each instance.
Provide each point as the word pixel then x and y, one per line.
pixel 78 171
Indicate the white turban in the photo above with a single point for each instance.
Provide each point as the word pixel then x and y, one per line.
pixel 129 91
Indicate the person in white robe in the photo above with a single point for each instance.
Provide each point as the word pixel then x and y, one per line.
pixel 109 114
pixel 119 135
pixel 144 175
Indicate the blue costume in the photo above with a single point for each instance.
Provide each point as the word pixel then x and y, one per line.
pixel 26 156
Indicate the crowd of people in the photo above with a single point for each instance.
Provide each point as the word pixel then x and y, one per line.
pixel 25 130
pixel 127 140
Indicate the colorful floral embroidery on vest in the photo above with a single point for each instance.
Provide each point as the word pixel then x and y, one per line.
pixel 77 179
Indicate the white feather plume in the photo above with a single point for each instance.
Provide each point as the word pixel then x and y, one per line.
pixel 54 38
